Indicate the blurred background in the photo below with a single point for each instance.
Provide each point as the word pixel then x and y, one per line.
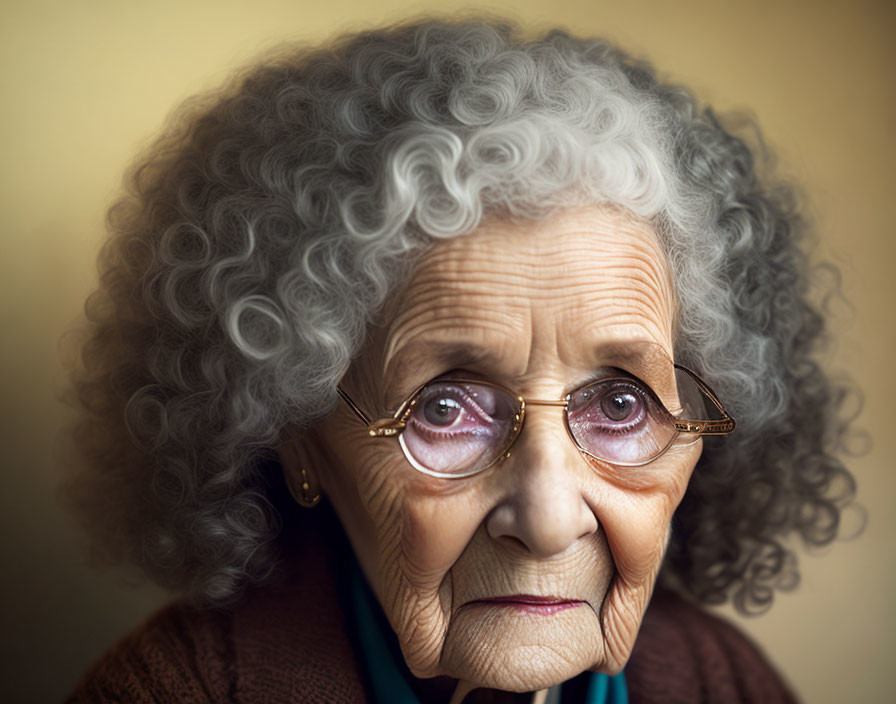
pixel 86 83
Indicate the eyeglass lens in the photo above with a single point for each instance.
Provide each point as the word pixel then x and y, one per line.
pixel 458 428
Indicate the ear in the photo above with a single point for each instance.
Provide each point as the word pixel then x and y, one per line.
pixel 297 464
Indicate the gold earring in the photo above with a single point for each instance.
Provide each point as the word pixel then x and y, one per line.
pixel 305 497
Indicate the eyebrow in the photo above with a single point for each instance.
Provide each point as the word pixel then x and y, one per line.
pixel 644 359
pixel 401 379
pixel 638 356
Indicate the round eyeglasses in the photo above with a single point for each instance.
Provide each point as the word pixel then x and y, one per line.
pixel 457 427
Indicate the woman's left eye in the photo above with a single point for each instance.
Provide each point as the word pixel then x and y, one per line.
pixel 619 420
pixel 442 412
pixel 612 405
pixel 620 405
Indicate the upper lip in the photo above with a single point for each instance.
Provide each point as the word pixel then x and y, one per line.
pixel 529 599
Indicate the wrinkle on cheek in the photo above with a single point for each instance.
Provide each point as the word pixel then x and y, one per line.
pixel 636 521
pixel 415 604
pixel 372 518
pixel 636 534
pixel 436 531
pixel 621 617
pixel 637 526
pixel 421 629
pixel 417 593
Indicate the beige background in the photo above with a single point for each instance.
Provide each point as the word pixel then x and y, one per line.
pixel 84 84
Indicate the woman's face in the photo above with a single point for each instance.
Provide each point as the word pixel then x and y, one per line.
pixel 537 307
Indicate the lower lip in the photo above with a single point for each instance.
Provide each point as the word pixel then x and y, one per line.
pixel 541 608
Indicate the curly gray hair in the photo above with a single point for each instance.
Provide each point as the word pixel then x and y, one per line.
pixel 264 230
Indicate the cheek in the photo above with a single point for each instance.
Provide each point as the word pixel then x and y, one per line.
pixel 407 531
pixel 366 488
pixel 415 587
pixel 637 528
pixel 435 532
pixel 421 525
pixel 636 507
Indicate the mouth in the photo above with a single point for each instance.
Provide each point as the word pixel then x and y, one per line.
pixel 529 603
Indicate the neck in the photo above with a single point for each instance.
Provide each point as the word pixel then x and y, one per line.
pixel 446 690
pixel 468 693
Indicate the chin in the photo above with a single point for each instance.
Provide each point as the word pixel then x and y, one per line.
pixel 505 649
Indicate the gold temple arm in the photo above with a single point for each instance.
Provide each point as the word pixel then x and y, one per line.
pixel 379 428
pixel 353 406
pixel 706 427
pixel 722 426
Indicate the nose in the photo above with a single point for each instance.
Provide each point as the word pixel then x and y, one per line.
pixel 543 506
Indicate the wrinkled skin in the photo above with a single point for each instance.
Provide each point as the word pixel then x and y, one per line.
pixel 537 307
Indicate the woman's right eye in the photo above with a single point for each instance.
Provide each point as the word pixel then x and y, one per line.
pixel 457 427
pixel 451 407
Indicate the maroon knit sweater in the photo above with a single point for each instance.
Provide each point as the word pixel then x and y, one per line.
pixel 288 643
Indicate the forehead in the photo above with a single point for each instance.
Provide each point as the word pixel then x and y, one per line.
pixel 567 294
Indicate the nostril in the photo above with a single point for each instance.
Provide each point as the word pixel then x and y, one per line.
pixel 500 522
pixel 592 525
pixel 515 542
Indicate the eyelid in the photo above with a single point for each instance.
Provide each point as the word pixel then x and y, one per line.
pixel 467 398
pixel 606 373
pixel 452 374
pixel 600 374
pixel 401 396
pixel 617 372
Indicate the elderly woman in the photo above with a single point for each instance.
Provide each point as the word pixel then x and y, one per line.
pixel 492 306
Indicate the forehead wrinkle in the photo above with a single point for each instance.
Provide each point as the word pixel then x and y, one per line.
pixel 430 333
pixel 616 335
pixel 628 290
pixel 602 275
pixel 632 303
pixel 641 318
pixel 643 266
pixel 468 262
pixel 454 293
